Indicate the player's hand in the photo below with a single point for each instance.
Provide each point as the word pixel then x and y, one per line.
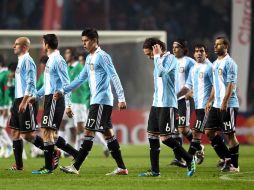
pixel 22 107
pixel 208 107
pixel 122 105
pixel 188 95
pixel 57 95
pixel 157 49
pixel 31 100
pixel 69 112
pixel 223 106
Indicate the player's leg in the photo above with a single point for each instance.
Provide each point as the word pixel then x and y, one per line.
pixel 184 114
pixel 229 121
pixel 15 135
pixel 212 126
pixel 154 143
pixel 167 123
pixel 195 147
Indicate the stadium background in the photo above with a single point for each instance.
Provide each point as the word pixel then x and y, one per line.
pixel 201 21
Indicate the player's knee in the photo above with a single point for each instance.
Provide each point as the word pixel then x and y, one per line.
pixel 15 134
pixel 154 142
pixel 210 134
pixel 28 137
pixel 89 133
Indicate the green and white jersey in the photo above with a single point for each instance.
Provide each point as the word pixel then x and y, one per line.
pixel 5 100
pixel 40 81
pixel 80 95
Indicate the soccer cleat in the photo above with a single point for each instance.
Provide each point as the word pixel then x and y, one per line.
pixel 15 168
pixel 200 155
pixel 56 158
pixel 69 169
pixel 230 168
pixel 118 171
pixel 106 153
pixel 227 164
pixel 191 167
pixel 179 163
pixel 42 171
pixel 149 173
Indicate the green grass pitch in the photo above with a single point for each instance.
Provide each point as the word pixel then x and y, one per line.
pixel 136 157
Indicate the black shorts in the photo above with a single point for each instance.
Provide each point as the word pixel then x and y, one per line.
pixel 53 112
pixel 201 119
pixel 162 120
pixel 226 120
pixel 99 118
pixel 185 108
pixel 24 122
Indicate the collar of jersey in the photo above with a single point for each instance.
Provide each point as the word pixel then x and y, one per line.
pixel 54 53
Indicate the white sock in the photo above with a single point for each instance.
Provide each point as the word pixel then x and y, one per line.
pixel 99 137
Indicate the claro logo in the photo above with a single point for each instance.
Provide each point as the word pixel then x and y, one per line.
pixel 245 27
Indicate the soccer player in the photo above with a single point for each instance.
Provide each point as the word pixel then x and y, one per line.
pixel 98 70
pixel 162 118
pixel 185 106
pixel 199 85
pixel 23 115
pixel 5 101
pixel 80 98
pixel 223 107
pixel 55 79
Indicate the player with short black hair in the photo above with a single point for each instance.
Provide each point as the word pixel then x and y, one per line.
pixel 99 71
pixel 199 86
pixel 223 107
pixel 162 119
pixel 185 107
pixel 55 79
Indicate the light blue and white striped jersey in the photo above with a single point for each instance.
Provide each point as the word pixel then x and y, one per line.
pixel 25 76
pixel 98 70
pixel 225 72
pixel 200 81
pixel 165 78
pixel 184 65
pixel 55 77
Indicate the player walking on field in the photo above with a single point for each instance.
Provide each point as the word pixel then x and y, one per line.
pixel 98 70
pixel 199 86
pixel 223 107
pixel 162 118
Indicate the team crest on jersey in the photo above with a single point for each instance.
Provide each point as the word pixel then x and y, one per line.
pixel 17 70
pixel 91 66
pixel 201 75
pixel 220 71
pixel 181 69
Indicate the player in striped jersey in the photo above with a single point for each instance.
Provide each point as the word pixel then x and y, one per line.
pixel 162 118
pixel 223 105
pixel 184 106
pixel 55 79
pixel 98 70
pixel 23 115
pixel 199 85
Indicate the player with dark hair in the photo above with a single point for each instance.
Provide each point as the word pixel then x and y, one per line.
pixel 199 86
pixel 185 106
pixel 162 119
pixel 99 71
pixel 223 107
pixel 55 79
